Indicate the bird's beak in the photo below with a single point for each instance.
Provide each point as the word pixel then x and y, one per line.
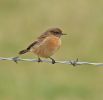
pixel 64 34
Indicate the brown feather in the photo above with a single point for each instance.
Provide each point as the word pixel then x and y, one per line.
pixel 23 51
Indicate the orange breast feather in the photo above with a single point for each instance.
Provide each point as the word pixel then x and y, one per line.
pixel 48 47
pixel 53 43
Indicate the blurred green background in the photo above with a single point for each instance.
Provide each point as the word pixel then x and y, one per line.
pixel 21 21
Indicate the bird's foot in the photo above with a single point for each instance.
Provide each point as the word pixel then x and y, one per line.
pixel 53 61
pixel 39 60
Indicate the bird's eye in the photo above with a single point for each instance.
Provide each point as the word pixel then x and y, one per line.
pixel 56 32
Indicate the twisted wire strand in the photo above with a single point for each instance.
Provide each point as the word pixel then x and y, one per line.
pixel 69 62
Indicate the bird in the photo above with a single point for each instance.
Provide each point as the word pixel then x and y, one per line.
pixel 46 44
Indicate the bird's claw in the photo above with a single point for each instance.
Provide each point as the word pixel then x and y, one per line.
pixel 53 61
pixel 39 60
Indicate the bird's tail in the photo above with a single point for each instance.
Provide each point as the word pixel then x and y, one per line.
pixel 23 51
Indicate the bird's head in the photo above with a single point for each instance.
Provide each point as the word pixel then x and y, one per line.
pixel 55 31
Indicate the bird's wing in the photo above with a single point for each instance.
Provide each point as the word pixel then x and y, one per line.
pixel 37 42
pixel 31 45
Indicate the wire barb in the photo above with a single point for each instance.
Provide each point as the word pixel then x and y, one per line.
pixel 74 62
pixel 69 62
pixel 15 59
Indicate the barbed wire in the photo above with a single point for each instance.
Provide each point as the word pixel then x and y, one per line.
pixel 69 62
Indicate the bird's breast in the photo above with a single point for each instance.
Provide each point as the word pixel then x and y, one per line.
pixel 48 47
pixel 52 42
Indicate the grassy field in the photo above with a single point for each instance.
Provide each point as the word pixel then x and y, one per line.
pixel 21 21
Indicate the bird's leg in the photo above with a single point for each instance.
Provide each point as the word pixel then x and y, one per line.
pixel 39 60
pixel 53 61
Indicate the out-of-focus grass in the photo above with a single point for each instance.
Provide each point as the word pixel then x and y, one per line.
pixel 21 21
